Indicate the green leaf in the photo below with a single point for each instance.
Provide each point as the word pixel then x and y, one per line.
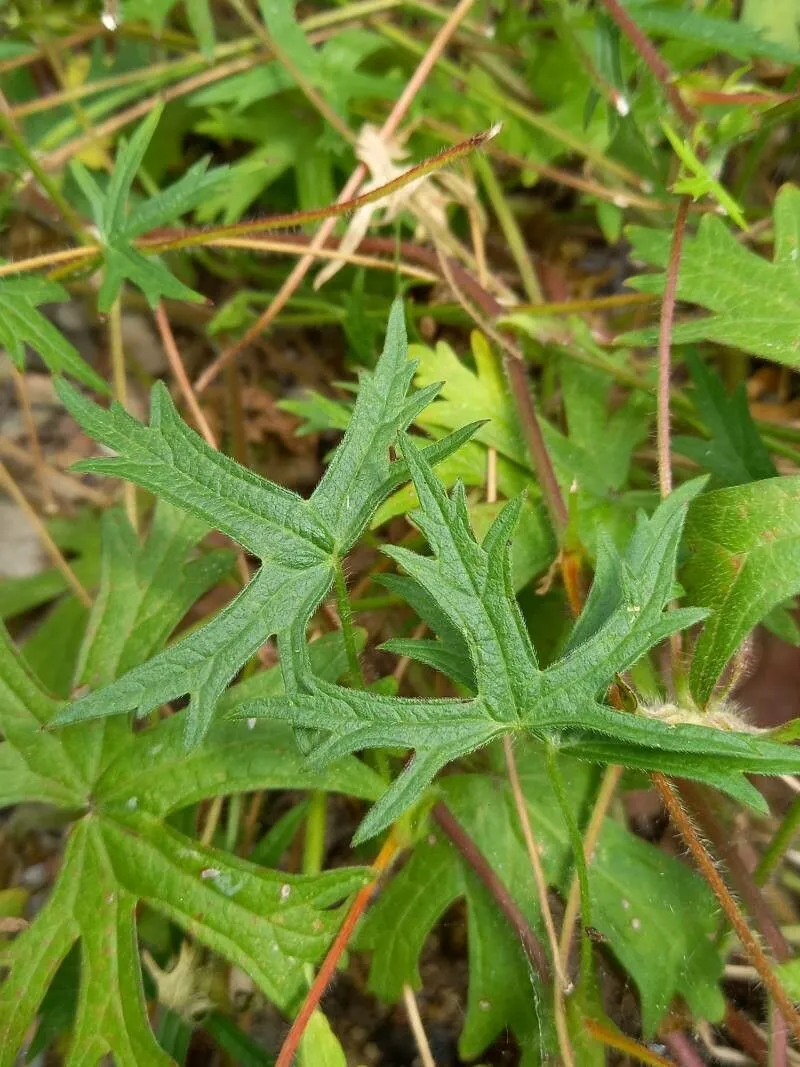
pixel 754 302
pixel 667 952
pixel 119 223
pixel 281 23
pixel 201 20
pixel 298 541
pixel 148 273
pixel 21 324
pixel 123 786
pixel 778 22
pixel 182 196
pixel 319 1046
pixel 144 593
pixel 735 453
pixel 126 166
pixel 624 617
pixel 743 559
pixel 717 34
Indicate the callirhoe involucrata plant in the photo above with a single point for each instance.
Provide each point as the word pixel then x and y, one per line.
pixel 301 545
pixel 122 785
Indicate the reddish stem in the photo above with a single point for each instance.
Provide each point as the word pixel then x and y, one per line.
pixel 325 973
pixel 660 70
pixel 459 837
pixel 665 349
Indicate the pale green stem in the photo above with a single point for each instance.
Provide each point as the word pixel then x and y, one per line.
pixel 581 870
pixel 120 387
pixel 511 231
pixel 779 843
pixel 17 142
pixel 316 823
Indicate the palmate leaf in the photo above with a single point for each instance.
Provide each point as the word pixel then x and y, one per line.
pixel 118 225
pixel 735 454
pixel 754 302
pixel 121 787
pixel 666 952
pixel 299 542
pixel 624 617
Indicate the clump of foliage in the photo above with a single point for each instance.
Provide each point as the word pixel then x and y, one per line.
pixel 564 630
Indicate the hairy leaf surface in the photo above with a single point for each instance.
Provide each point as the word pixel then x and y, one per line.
pixel 625 615
pixel 298 542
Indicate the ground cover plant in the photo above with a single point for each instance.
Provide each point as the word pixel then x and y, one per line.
pixel 400 406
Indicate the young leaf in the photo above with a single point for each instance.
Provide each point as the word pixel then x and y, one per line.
pixel 118 225
pixel 735 454
pixel 21 324
pixel 754 302
pixel 298 541
pixel 743 560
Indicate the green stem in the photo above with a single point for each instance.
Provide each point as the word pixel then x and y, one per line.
pixel 232 821
pixel 348 634
pixel 511 231
pixel 120 387
pixel 17 142
pixel 581 870
pixel 316 824
pixel 779 844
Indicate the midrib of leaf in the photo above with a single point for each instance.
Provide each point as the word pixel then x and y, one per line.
pixel 173 874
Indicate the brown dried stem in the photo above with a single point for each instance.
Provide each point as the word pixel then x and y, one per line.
pixel 303 265
pixel 52 549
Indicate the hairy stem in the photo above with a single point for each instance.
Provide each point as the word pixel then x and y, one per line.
pixel 743 883
pixel 709 871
